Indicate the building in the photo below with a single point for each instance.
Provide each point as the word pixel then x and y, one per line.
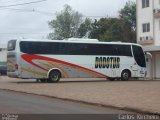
pixel 3 54
pixel 148 34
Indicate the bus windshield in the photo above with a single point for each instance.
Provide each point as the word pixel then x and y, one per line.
pixel 139 56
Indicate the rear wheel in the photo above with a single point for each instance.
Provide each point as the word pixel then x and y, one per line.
pixel 125 75
pixel 54 76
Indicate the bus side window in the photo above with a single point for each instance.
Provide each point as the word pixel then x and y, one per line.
pixel 115 51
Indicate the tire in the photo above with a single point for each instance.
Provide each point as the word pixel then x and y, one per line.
pixel 54 76
pixel 125 75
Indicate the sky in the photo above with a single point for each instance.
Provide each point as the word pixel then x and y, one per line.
pixel 31 20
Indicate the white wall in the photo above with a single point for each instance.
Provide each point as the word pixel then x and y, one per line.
pixel 149 67
pixel 156 4
pixel 157 24
pixel 144 15
pixel 157 31
pixel 157 66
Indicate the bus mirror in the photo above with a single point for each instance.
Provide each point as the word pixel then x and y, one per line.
pixel 148 54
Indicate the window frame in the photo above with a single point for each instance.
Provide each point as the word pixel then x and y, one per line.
pixel 146 27
pixel 145 3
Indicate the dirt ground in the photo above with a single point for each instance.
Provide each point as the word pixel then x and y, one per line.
pixel 140 95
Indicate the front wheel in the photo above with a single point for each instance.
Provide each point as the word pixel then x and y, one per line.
pixel 125 75
pixel 54 76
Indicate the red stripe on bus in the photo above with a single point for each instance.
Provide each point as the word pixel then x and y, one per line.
pixel 30 57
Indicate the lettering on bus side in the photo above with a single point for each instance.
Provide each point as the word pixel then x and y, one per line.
pixel 107 62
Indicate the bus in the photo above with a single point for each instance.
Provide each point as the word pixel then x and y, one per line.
pixel 50 60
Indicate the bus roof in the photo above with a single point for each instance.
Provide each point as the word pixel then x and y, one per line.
pixel 77 40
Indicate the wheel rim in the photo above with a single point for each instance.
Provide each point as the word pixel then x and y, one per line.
pixel 55 76
pixel 125 75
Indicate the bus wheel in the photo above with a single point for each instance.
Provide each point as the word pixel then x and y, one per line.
pixel 125 75
pixel 54 76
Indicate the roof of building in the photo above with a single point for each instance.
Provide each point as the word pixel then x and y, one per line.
pixel 151 48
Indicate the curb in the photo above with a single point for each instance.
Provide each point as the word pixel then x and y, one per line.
pixel 138 111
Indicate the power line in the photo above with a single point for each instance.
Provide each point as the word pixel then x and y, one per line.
pixel 17 10
pixel 45 12
pixel 22 4
pixel 48 13
pixel 31 10
pixel 24 33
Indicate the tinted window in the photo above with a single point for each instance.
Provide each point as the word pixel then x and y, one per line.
pixel 74 48
pixel 39 47
pixel 122 50
pixel 139 56
pixel 145 3
pixel 11 45
pixel 146 27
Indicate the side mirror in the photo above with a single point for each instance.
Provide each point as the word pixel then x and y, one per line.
pixel 148 53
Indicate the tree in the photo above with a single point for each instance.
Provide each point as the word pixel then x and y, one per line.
pixel 106 29
pixel 117 29
pixel 115 32
pixel 85 27
pixel 66 24
pixel 128 16
pixel 99 28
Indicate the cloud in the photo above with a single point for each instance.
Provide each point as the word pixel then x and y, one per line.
pixel 14 23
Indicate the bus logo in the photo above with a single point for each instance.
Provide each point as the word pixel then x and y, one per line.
pixel 107 62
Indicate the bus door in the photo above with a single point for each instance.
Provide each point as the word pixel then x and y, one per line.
pixel 114 73
pixel 135 69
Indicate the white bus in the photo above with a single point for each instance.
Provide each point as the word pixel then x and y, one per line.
pixel 51 60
